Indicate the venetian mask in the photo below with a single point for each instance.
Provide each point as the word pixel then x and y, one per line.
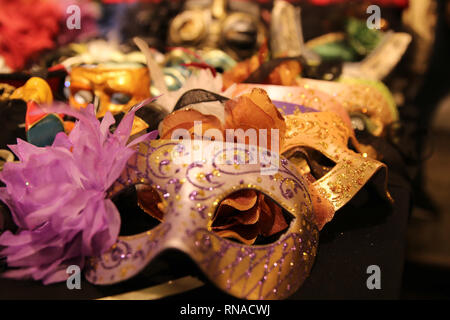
pixel 369 103
pixel 180 63
pixel 234 28
pixel 35 89
pixel 110 87
pixel 190 193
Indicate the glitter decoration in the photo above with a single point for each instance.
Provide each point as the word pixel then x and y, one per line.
pixel 245 271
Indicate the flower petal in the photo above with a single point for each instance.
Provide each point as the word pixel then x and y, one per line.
pixel 184 119
pixel 241 200
pixel 255 111
pixel 272 219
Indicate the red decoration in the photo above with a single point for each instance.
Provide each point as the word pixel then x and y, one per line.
pixel 27 27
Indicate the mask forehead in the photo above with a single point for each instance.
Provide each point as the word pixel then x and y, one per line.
pixel 192 191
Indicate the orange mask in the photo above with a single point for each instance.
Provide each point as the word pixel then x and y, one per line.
pixel 110 87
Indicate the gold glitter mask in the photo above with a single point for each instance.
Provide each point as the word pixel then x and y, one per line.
pixel 369 103
pixel 294 99
pixel 320 144
pixel 192 193
pixel 110 87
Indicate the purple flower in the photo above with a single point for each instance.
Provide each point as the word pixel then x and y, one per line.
pixel 56 195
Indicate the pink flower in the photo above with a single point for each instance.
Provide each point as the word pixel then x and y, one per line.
pixel 57 195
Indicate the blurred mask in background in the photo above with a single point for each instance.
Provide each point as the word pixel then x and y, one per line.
pixel 232 26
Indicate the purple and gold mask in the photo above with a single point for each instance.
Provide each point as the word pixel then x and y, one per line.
pixel 190 194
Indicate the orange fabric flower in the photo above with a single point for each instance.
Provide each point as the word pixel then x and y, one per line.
pixel 246 214
pixel 184 119
pixel 255 111
pixel 250 111
pixel 150 201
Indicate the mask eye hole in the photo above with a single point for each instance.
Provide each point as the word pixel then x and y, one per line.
pixel 309 161
pixel 250 217
pixel 361 123
pixel 83 96
pixel 351 146
pixel 150 201
pixel 140 209
pixel 120 98
pixel 358 123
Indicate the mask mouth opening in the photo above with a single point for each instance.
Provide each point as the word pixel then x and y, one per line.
pixel 310 162
pixel 138 208
pixel 250 217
